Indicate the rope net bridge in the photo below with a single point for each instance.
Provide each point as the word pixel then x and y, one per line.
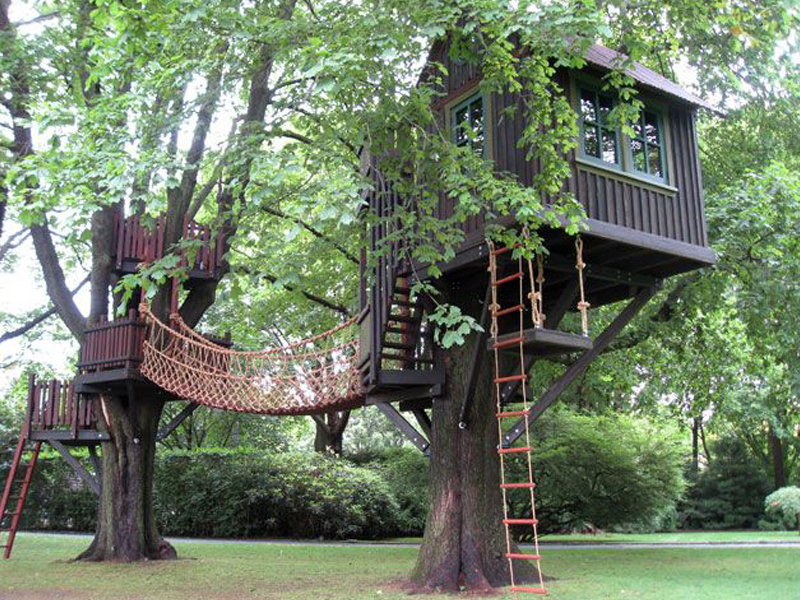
pixel 314 375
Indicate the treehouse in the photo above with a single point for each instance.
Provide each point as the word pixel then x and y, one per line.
pixel 643 200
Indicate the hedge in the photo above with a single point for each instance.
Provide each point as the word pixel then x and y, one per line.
pixel 239 493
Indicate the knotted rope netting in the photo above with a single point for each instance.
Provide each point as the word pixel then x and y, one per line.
pixel 314 375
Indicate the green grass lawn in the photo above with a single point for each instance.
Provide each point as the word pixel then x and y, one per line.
pixel 221 571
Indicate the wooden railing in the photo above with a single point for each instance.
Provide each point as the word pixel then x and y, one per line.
pixel 54 404
pixel 135 242
pixel 113 344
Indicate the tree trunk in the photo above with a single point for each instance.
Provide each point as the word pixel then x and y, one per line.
pixel 330 431
pixel 464 542
pixel 695 445
pixel 126 529
pixel 776 451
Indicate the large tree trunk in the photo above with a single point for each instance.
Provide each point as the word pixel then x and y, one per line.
pixel 126 528
pixel 464 542
pixel 330 431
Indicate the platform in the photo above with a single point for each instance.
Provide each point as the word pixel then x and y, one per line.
pixel 542 341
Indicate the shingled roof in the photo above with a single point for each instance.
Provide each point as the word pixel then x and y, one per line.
pixel 606 58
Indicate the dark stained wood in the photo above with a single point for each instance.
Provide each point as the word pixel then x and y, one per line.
pixel 542 342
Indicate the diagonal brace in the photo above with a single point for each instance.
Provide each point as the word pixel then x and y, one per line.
pixel 80 470
pixel 176 421
pixel 419 440
pixel 581 364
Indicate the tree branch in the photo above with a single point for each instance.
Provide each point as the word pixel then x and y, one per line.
pixel 26 327
pixel 317 233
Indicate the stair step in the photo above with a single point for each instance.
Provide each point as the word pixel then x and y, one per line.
pixel 403 358
pixel 412 330
pixel 515 450
pixel 520 521
pixel 399 346
pixel 402 319
pixel 517 556
pixel 517 486
pixel 528 590
pixel 406 303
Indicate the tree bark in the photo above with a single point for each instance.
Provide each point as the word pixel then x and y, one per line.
pixel 330 431
pixel 464 541
pixel 778 458
pixel 126 527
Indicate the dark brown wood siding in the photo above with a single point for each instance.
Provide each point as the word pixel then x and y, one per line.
pixel 610 197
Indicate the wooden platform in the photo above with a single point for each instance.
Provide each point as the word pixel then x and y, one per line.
pixel 543 342
pixel 121 381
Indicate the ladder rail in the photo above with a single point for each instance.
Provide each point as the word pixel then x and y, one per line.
pixel 16 516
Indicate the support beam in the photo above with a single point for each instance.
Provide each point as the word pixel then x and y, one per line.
pixel 424 421
pixel 176 421
pixel 98 464
pixel 592 271
pixel 80 470
pixel 579 366
pixel 477 358
pixel 419 440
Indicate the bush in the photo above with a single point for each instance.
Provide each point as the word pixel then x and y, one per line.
pixel 604 471
pixel 783 507
pixel 407 473
pixel 728 494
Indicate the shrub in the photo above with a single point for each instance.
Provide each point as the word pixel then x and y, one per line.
pixel 604 471
pixel 783 507
pixel 728 494
pixel 407 473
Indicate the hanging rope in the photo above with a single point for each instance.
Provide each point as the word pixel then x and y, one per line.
pixel 536 296
pixel 583 305
pixel 315 375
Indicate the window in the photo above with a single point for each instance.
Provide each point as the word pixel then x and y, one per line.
pixel 598 137
pixel 646 153
pixel 468 124
pixel 643 153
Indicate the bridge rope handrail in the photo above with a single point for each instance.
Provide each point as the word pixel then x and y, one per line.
pixel 313 375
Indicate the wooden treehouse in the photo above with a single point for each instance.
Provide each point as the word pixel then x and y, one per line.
pixel 643 199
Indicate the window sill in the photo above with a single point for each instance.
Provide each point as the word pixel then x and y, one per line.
pixel 616 173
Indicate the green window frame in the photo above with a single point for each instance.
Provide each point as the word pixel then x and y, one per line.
pixel 646 147
pixel 599 139
pixel 468 123
pixel 643 154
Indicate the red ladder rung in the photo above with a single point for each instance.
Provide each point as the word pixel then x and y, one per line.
pixel 515 450
pixel 504 249
pixel 521 377
pixel 520 521
pixel 507 279
pixel 510 309
pixel 524 556
pixel 513 413
pixel 505 343
pixel 517 486
pixel 528 590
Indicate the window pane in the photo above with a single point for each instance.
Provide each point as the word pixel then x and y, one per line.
pixel 651 129
pixel 606 104
pixel 476 120
pixel 609 146
pixel 461 121
pixel 639 161
pixel 638 130
pixel 654 161
pixel 588 108
pixel 591 146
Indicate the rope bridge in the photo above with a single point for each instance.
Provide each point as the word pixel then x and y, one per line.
pixel 315 375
